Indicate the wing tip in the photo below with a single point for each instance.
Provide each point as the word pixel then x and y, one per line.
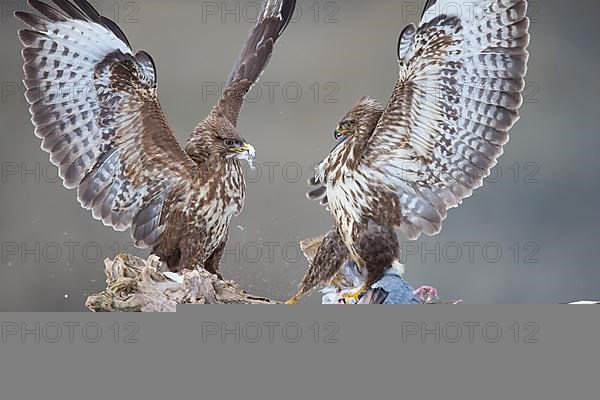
pixel 27 37
pixel 81 10
pixel 288 8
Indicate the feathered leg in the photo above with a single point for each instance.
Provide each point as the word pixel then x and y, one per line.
pixel 192 253
pixel 212 263
pixel 378 248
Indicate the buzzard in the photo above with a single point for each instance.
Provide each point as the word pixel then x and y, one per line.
pixel 404 165
pixel 94 105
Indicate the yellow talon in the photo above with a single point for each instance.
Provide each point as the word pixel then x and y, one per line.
pixel 355 295
pixel 294 299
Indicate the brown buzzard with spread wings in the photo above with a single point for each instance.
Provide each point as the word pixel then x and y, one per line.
pixel 95 107
pixel 403 166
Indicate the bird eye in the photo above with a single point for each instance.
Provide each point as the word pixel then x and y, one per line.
pixel 344 128
pixel 229 142
pixel 346 125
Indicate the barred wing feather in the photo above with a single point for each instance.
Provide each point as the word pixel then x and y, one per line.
pixel 461 78
pixel 94 105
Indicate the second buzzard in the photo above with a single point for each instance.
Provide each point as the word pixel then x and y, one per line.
pixel 403 166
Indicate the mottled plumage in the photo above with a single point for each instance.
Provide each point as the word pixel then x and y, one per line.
pixel 94 105
pixel 403 166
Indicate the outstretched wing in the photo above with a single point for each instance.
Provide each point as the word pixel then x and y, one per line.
pixel 274 17
pixel 94 105
pixel 461 77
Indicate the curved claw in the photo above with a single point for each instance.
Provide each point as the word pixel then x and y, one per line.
pixel 355 295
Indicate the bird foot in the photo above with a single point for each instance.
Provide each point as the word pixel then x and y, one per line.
pixel 354 295
pixel 427 294
pixel 294 299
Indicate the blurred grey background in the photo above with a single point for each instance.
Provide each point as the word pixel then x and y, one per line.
pixel 530 235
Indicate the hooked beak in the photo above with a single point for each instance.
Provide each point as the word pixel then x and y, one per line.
pixel 340 133
pixel 341 136
pixel 246 152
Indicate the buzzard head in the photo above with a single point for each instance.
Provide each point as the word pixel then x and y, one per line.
pixel 230 144
pixel 220 138
pixel 231 147
pixel 361 119
pixel 358 124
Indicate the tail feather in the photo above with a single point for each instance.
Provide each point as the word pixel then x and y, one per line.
pixel 311 246
pixel 374 296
